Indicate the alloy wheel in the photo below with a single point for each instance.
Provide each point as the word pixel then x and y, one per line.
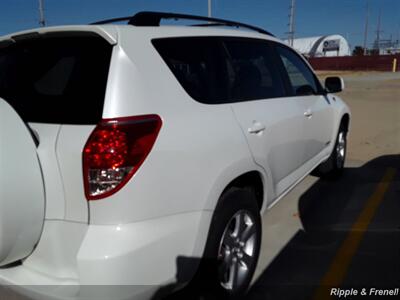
pixel 341 149
pixel 237 250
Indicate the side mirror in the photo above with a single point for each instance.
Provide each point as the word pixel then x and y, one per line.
pixel 334 84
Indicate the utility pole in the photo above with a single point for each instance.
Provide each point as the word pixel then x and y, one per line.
pixel 42 21
pixel 209 8
pixel 378 32
pixel 366 29
pixel 291 22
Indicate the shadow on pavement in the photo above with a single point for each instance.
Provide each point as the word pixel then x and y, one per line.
pixel 327 211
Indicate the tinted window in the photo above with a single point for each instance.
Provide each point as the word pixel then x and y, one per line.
pixel 251 73
pixel 198 65
pixel 56 79
pixel 221 70
pixel 300 76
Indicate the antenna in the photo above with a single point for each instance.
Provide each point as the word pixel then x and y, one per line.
pixel 209 8
pixel 42 21
pixel 291 22
pixel 366 29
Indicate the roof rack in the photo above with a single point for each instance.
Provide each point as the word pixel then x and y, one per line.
pixel 150 18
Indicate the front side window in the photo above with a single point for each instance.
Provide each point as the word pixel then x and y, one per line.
pixel 301 78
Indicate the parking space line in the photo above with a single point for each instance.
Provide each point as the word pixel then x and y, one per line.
pixel 339 266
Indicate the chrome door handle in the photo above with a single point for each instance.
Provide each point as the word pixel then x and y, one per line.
pixel 256 128
pixel 308 114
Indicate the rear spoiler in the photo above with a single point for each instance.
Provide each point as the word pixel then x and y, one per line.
pixel 109 34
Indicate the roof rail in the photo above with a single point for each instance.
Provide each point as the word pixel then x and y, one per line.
pixel 150 18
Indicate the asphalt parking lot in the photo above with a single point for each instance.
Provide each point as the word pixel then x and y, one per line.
pixel 349 236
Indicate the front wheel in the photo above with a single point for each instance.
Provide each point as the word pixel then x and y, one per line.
pixel 334 166
pixel 340 151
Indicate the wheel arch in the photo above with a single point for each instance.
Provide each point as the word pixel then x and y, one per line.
pixel 252 179
pixel 345 121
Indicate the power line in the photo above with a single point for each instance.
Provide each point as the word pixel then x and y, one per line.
pixel 291 22
pixel 366 29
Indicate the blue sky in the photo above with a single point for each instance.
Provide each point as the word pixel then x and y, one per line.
pixel 313 17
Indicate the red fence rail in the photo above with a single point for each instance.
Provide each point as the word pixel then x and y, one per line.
pixel 356 63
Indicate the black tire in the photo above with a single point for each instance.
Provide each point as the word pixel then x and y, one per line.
pixel 334 166
pixel 234 204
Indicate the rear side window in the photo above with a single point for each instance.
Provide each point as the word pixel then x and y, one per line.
pixel 216 70
pixel 198 65
pixel 58 79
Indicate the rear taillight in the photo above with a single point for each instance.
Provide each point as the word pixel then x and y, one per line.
pixel 114 152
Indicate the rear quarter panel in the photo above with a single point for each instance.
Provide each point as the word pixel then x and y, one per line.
pixel 199 150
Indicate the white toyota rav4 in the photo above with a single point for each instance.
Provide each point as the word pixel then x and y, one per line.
pixel 129 152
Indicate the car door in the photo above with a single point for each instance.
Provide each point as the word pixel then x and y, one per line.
pixel 22 198
pixel 271 121
pixel 318 112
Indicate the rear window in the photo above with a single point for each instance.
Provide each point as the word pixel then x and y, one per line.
pixel 57 79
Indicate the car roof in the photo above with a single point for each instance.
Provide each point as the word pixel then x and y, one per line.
pixel 173 30
pixel 111 32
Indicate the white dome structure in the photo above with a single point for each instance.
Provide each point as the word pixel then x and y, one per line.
pixel 320 46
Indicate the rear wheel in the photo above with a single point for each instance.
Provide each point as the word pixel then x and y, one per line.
pixel 233 245
pixel 237 251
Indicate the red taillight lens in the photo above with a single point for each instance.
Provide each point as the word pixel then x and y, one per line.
pixel 114 152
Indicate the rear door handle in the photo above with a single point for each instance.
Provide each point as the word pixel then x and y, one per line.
pixel 308 113
pixel 256 128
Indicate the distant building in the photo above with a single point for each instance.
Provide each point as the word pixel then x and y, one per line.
pixel 320 46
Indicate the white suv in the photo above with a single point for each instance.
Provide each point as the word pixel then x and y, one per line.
pixel 129 152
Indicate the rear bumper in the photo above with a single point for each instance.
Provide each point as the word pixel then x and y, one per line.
pixel 80 261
